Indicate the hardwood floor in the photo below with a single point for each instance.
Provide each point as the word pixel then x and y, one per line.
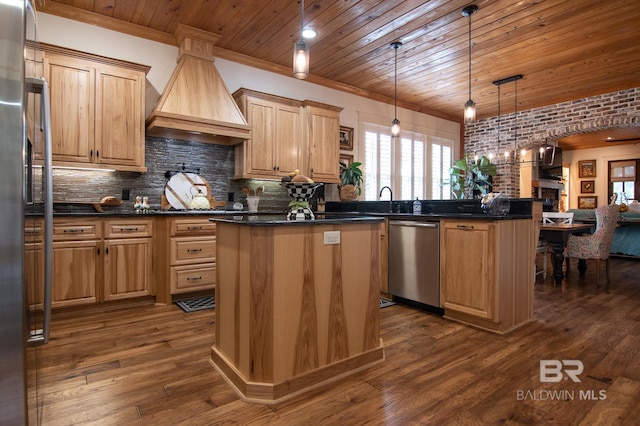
pixel 149 365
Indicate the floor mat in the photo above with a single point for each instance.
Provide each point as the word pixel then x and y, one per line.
pixel 384 303
pixel 198 304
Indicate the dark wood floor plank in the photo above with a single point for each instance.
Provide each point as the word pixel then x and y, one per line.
pixel 149 365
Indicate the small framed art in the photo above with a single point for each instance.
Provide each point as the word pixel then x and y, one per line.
pixel 587 168
pixel 346 138
pixel 587 186
pixel 587 202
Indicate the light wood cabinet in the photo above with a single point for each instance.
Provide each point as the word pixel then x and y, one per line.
pixel 322 135
pixel 76 265
pixel 128 256
pixel 34 261
pixel 468 283
pixel 486 272
pixel 33 68
pixel 96 260
pixel 276 133
pixel 97 110
pixel 186 249
pixel 286 135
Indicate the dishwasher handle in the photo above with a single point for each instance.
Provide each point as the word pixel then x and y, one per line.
pixel 414 224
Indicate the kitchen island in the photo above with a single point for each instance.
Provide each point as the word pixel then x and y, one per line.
pixel 297 303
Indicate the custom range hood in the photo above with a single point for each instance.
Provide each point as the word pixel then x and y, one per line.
pixel 196 104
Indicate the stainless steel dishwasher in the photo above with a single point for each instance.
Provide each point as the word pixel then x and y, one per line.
pixel 414 261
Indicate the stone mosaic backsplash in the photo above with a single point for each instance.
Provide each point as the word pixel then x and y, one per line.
pixel 215 164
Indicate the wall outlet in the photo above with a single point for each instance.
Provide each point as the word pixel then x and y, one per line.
pixel 331 237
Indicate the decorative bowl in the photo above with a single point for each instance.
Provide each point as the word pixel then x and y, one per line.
pixel 301 191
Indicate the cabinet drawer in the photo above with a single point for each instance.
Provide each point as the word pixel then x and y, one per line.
pixel 75 230
pixel 192 250
pixel 128 228
pixel 191 278
pixel 33 230
pixel 192 226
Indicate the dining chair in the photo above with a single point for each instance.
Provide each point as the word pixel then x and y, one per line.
pixel 543 246
pixel 597 245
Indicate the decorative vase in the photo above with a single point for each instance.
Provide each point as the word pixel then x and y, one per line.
pixel 301 194
pixel 348 192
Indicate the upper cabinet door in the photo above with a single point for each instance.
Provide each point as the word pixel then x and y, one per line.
pixel 119 123
pixel 323 139
pixel 261 153
pixel 97 110
pixel 71 83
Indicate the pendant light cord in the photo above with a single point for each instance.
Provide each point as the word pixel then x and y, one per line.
pixel 470 56
pixel 515 119
pixel 395 83
pixel 301 17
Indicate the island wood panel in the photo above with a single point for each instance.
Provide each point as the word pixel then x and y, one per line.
pixel 293 312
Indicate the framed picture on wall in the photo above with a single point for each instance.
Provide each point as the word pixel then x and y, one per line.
pixel 587 202
pixel 346 138
pixel 347 159
pixel 587 168
pixel 587 186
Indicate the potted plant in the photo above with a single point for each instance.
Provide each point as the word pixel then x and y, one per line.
pixel 351 179
pixel 467 177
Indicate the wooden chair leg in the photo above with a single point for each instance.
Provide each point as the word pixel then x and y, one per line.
pixel 607 268
pixel 598 273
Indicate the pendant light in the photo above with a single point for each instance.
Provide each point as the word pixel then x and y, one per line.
pixel 499 83
pixel 395 124
pixel 470 106
pixel 301 51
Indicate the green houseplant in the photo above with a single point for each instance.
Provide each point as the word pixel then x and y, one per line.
pixel 351 180
pixel 467 176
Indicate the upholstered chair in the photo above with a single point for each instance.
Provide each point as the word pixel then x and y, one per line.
pixel 597 245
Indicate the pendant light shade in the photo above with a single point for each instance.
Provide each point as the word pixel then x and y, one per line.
pixel 469 106
pixel 395 124
pixel 301 51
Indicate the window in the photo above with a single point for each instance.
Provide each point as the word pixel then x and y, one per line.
pixel 623 178
pixel 402 164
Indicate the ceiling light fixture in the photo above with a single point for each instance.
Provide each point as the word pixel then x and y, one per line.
pixel 546 151
pixel 470 106
pixel 395 124
pixel 301 51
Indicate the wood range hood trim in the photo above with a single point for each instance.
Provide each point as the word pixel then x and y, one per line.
pixel 196 105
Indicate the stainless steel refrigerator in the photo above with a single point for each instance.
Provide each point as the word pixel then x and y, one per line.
pixel 25 215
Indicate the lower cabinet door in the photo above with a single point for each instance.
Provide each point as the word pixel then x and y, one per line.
pixel 127 268
pixel 75 269
pixel 192 277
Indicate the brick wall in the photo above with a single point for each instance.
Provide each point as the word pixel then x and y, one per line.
pixel 618 109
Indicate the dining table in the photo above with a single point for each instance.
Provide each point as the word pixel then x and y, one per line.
pixel 558 234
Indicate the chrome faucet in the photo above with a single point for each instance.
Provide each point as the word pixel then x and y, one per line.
pixel 390 192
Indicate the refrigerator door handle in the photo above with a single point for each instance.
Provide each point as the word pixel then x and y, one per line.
pixel 39 85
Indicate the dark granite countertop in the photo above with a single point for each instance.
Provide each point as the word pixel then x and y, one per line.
pixel 281 220
pixel 132 213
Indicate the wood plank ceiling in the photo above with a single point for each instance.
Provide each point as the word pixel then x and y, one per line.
pixel 565 50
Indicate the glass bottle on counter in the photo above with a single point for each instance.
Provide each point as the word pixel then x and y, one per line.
pixel 417 207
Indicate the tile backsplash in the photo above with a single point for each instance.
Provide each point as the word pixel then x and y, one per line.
pixel 214 162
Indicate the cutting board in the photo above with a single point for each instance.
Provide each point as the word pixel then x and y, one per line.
pixel 181 187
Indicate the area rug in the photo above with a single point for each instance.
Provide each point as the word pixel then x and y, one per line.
pixel 197 304
pixel 384 303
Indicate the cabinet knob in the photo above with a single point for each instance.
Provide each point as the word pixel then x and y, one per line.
pixel 193 278
pixel 194 250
